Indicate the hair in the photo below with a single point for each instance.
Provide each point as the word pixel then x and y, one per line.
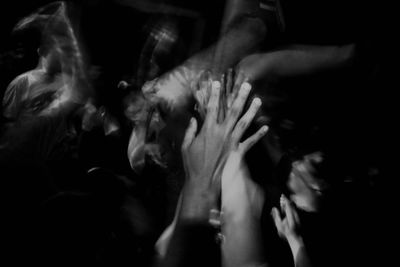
pixel 334 168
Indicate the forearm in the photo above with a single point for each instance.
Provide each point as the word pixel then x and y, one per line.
pixel 242 202
pixel 236 10
pixel 174 88
pixel 197 201
pixel 193 238
pixel 242 243
pixel 300 256
pixel 240 40
pixel 297 61
pixel 191 244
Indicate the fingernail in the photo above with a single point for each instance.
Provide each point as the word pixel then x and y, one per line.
pixel 246 87
pixel 257 101
pixel 264 129
pixel 282 200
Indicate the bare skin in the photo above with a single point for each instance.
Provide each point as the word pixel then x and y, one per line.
pixel 205 154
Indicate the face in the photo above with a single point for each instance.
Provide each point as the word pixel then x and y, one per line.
pixel 304 183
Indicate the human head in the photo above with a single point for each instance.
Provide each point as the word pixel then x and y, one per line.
pixel 307 182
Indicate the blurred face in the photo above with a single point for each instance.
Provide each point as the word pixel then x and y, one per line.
pixel 304 184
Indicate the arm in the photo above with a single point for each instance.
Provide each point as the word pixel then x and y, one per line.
pixel 295 61
pixel 239 40
pixel 204 156
pixel 287 228
pixel 193 238
pixel 236 10
pixel 242 201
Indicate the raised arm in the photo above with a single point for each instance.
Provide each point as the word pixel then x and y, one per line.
pixel 204 156
pixel 240 39
pixel 296 60
pixel 287 228
pixel 241 201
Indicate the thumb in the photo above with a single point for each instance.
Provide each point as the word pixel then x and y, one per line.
pixel 277 219
pixel 190 134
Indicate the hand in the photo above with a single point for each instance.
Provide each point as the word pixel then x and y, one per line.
pixel 288 227
pixel 241 196
pixel 202 90
pixel 229 90
pixel 204 155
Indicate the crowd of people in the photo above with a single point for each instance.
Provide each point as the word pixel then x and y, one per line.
pixel 255 141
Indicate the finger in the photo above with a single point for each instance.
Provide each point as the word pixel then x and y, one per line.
pixel 208 82
pixel 252 140
pixel 213 103
pixel 222 101
pixel 295 215
pixel 293 211
pixel 238 105
pixel 204 85
pixel 190 134
pixel 229 81
pixel 229 89
pixel 194 86
pixel 277 219
pixel 245 121
pixel 200 105
pixel 223 83
pixel 239 80
pixel 289 212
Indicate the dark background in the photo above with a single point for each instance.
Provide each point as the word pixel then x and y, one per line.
pixel 357 112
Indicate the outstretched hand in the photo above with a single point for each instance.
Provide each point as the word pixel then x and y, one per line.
pixel 205 153
pixel 241 197
pixel 288 226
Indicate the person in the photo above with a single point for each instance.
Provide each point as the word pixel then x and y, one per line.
pixel 60 75
pixel 31 92
pixel 303 203
pixel 39 145
pixel 171 94
pixel 204 155
pixel 320 209
pixel 242 200
pixel 288 229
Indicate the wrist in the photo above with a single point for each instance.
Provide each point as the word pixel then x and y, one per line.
pixel 197 203
pixel 295 244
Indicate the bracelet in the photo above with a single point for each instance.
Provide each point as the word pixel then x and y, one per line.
pixel 215 220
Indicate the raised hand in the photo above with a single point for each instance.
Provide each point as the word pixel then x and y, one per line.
pixel 241 198
pixel 205 154
pixel 288 228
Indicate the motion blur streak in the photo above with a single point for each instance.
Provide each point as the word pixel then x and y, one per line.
pixel 61 58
